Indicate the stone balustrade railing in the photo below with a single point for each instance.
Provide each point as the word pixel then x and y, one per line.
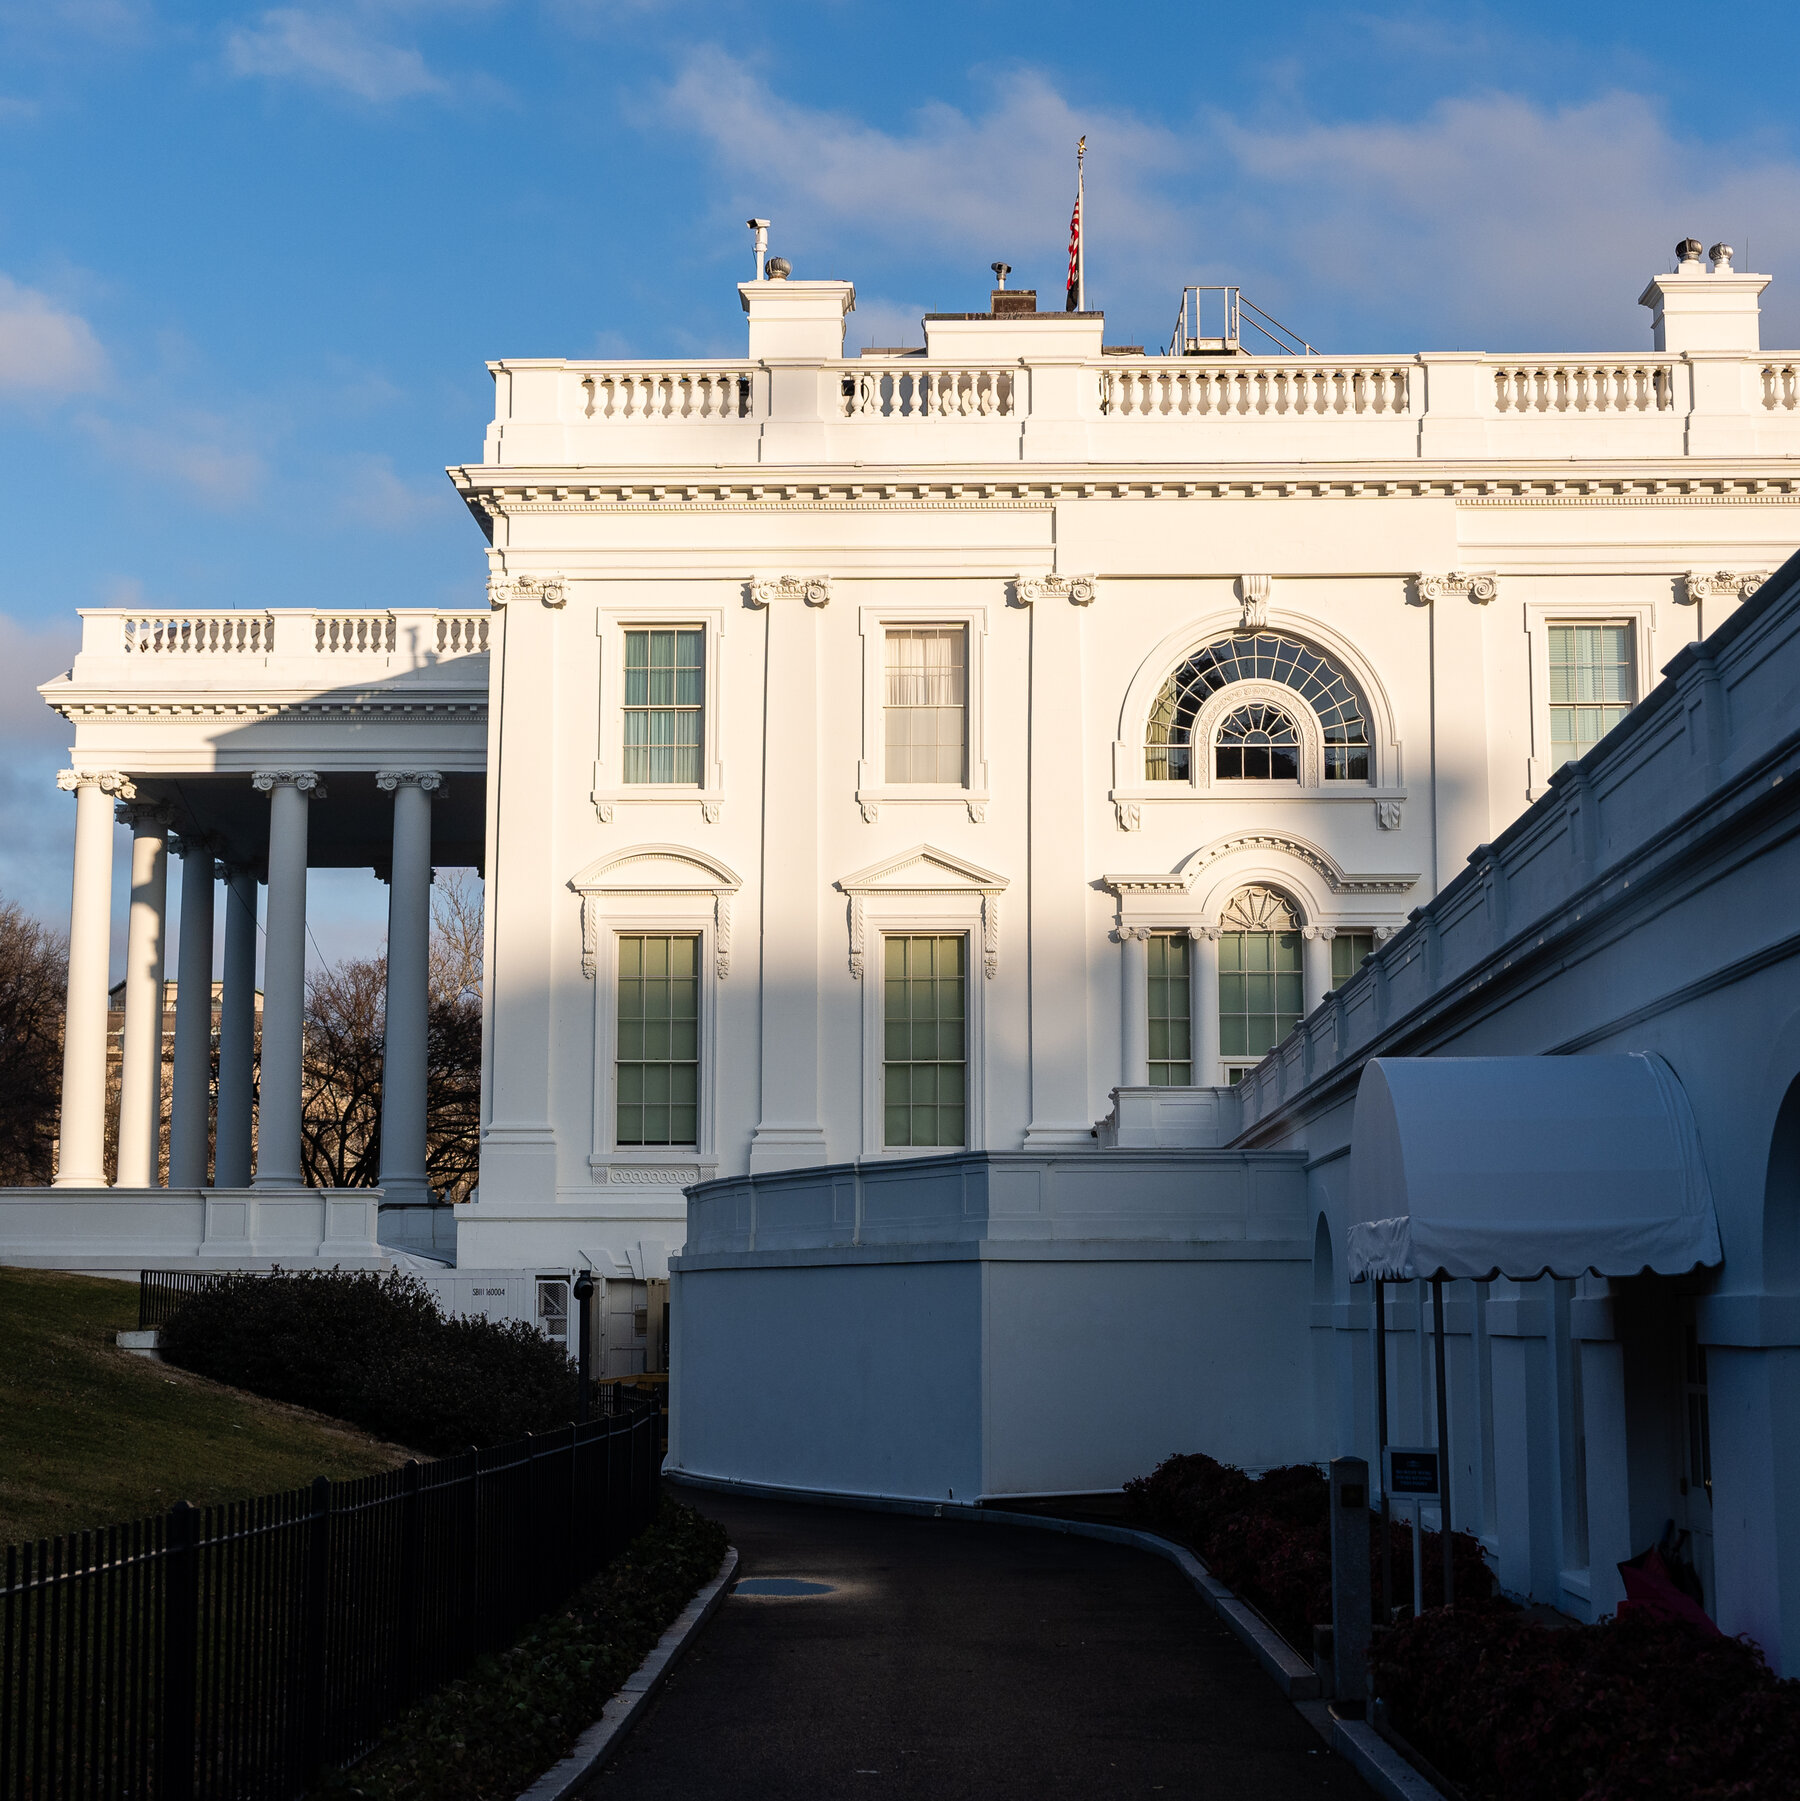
pixel 1448 406
pixel 417 635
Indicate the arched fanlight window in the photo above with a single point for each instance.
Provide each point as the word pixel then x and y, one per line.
pixel 1264 656
pixel 1257 743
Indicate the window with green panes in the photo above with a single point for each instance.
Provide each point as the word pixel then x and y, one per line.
pixel 665 704
pixel 1171 1042
pixel 1592 686
pixel 1347 952
pixel 925 1040
pixel 1260 996
pixel 658 1053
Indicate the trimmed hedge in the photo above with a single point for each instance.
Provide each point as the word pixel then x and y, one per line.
pixel 374 1349
pixel 1268 1539
pixel 492 1734
pixel 1633 1709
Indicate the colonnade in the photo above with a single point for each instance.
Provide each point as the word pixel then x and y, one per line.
pixel 103 796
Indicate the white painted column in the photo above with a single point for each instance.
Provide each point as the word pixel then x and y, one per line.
pixel 1134 1019
pixel 1204 1004
pixel 146 948
pixel 237 1032
pixel 189 1104
pixel 404 1058
pixel 81 1155
pixel 1062 1111
pixel 789 1134
pixel 284 977
pixel 1315 965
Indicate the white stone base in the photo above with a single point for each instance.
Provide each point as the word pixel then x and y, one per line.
pixel 114 1231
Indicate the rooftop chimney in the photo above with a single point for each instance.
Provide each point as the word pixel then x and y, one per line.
pixel 1700 309
pixel 1005 300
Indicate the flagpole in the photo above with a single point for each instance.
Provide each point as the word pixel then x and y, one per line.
pixel 1081 210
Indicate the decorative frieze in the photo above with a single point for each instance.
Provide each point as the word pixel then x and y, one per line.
pixel 1477 585
pixel 1077 590
pixel 815 590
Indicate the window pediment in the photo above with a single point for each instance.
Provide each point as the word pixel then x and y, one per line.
pixel 923 873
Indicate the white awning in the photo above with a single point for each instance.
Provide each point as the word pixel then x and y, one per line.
pixel 1526 1166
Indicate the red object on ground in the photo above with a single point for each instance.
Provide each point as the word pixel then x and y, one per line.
pixel 1650 1591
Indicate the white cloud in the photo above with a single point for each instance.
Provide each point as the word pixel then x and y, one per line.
pixel 998 184
pixel 374 494
pixel 198 452
pixel 331 50
pixel 44 348
pixel 1488 220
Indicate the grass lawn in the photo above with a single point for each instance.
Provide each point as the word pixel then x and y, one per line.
pixel 90 1434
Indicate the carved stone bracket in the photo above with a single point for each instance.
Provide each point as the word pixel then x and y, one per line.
pixel 871 811
pixel 1387 815
pixel 108 781
pixel 710 810
pixel 977 812
pixel 1477 585
pixel 1077 590
pixel 1253 596
pixel 1721 584
pixel 552 590
pixel 590 934
pixel 722 934
pixel 1131 815
pixel 990 934
pixel 815 590
pixel 387 780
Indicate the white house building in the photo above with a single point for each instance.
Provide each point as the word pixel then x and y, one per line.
pixel 917 792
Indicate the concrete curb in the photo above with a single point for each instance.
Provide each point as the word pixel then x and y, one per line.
pixel 601 1739
pixel 1357 1742
pixel 1378 1763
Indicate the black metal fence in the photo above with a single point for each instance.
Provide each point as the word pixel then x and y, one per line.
pixel 238 1650
pixel 161 1291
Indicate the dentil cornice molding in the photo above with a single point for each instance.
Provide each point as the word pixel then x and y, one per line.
pixel 765 590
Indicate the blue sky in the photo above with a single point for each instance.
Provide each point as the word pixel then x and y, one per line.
pixel 252 260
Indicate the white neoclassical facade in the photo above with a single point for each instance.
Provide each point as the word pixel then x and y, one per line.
pixel 994 746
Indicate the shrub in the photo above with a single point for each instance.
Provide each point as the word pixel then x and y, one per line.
pixel 374 1350
pixel 1633 1709
pixel 1268 1539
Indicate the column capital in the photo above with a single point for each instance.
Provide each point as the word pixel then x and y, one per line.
pixel 1326 932
pixel 1134 934
pixel 192 844
pixel 140 813
pixel 1078 590
pixel 387 780
pixel 552 590
pixel 1200 929
pixel 308 781
pixel 108 781
pixel 815 590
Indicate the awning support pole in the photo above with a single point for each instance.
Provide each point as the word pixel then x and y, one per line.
pixel 1443 1439
pixel 1381 1434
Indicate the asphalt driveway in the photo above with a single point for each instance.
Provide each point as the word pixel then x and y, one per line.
pixel 939 1660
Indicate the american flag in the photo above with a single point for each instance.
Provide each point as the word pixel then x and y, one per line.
pixel 1074 298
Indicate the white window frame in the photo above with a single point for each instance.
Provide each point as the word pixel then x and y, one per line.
pixel 610 789
pixel 938 915
pixel 1540 615
pixel 873 790
pixel 617 901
